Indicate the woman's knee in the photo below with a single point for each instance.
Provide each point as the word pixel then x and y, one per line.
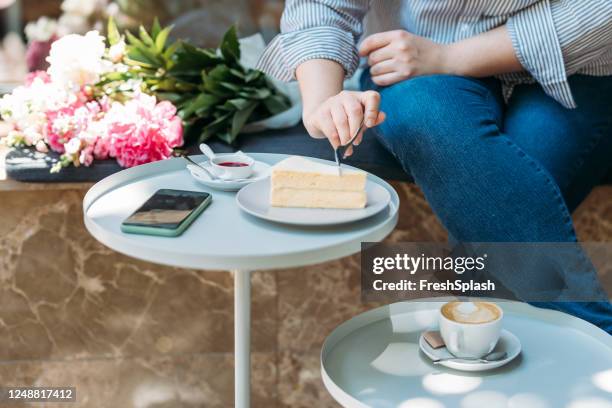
pixel 420 116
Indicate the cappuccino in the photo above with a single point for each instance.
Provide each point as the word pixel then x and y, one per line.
pixel 471 312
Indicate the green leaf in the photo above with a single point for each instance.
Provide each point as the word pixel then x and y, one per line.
pixel 220 73
pixel 136 54
pixel 134 41
pixel 161 38
pixel 237 73
pixel 112 32
pixel 230 86
pixel 200 103
pixel 156 28
pixel 261 93
pixel 253 75
pixel 173 97
pixel 145 37
pixel 171 50
pixel 190 60
pixel 276 104
pixel 219 125
pixel 226 137
pixel 240 118
pixel 239 103
pixel 230 48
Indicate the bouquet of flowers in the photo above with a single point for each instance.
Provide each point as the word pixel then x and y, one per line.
pixel 131 98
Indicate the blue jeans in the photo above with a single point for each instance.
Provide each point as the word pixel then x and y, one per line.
pixel 502 172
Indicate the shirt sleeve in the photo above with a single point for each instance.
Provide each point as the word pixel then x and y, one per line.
pixel 556 38
pixel 310 29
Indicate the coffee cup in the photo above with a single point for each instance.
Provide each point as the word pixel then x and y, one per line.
pixel 233 166
pixel 470 329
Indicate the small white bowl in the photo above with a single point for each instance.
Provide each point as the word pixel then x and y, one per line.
pixel 233 166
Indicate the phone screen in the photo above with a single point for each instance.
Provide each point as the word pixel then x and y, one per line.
pixel 167 209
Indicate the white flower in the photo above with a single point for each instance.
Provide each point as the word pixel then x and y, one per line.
pixel 25 108
pixel 72 24
pixel 32 136
pixel 77 60
pixel 117 51
pixel 73 146
pixel 42 29
pixel 83 8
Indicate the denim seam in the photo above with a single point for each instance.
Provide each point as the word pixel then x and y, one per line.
pixel 560 200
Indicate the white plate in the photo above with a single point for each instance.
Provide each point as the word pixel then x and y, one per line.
pixel 261 170
pixel 255 200
pixel 508 342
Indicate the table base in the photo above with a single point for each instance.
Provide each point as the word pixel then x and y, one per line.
pixel 242 338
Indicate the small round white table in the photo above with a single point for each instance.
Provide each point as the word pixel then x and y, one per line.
pixel 373 361
pixel 223 237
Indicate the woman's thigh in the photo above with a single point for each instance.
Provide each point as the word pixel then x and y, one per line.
pixel 448 132
pixel 574 145
pixel 439 118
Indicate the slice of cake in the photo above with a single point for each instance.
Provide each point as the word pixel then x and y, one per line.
pixel 299 182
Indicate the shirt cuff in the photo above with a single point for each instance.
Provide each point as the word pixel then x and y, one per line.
pixel 288 50
pixel 536 44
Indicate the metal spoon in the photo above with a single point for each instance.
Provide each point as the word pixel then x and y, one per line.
pixel 208 172
pixel 489 358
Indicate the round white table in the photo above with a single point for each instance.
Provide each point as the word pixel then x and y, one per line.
pixel 373 361
pixel 223 237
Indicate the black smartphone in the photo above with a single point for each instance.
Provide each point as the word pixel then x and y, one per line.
pixel 167 213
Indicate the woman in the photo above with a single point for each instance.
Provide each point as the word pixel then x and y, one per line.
pixel 500 109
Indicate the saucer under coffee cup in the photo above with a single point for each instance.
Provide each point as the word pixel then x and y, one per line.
pixel 470 329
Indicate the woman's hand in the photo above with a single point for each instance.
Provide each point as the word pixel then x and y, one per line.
pixel 397 55
pixel 339 117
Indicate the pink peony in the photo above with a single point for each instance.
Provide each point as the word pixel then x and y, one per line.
pixel 61 127
pixel 34 75
pixel 143 131
pixel 75 120
pixel 86 156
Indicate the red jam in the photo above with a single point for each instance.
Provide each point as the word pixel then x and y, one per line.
pixel 232 164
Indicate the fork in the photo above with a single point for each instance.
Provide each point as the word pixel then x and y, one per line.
pixel 344 148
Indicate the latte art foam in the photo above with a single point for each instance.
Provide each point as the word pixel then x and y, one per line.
pixel 471 312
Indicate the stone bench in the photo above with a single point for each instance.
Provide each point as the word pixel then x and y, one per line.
pixel 29 166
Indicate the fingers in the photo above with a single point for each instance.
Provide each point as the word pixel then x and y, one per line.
pixel 355 112
pixel 381 54
pixel 387 79
pixel 340 117
pixel 371 104
pixel 341 122
pixel 383 67
pixel 379 119
pixel 328 127
pixel 374 42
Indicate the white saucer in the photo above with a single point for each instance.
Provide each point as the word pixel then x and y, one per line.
pixel 508 342
pixel 255 200
pixel 261 170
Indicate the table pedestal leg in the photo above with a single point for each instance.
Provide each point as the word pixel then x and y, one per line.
pixel 242 339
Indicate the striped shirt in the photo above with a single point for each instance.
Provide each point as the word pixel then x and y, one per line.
pixel 552 39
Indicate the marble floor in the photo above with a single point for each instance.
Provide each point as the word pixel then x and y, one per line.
pixel 128 333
